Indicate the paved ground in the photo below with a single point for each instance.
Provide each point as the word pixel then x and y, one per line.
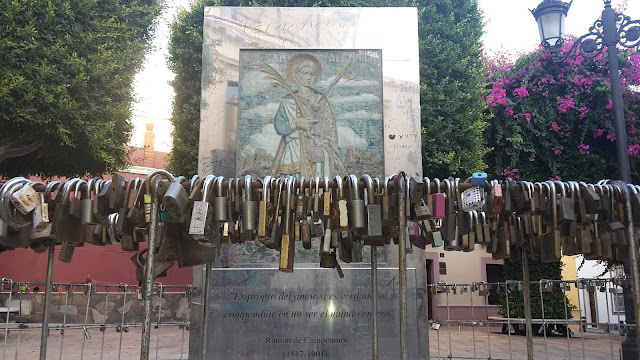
pixel 172 342
pixel 596 346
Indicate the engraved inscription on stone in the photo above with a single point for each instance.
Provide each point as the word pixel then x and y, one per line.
pixel 311 314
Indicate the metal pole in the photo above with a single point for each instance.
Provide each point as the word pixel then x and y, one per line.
pixel 148 274
pixel 610 39
pixel 402 264
pixel 374 301
pixel 629 351
pixel 205 308
pixel 47 303
pixel 527 303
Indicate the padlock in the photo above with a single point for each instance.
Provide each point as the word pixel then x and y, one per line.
pixel 452 235
pixel 439 207
pixel 566 207
pixel 315 202
pixel 287 248
pixel 478 179
pixel 389 217
pixel 265 220
pixel 75 203
pixel 176 199
pixel 551 241
pixel 249 207
pixel 339 211
pixel 372 234
pixel 6 212
pixel 112 193
pixel 201 228
pixel 25 199
pixel 220 202
pixel 357 219
pixel 472 199
pixel 326 199
pixel 276 230
pixel 64 226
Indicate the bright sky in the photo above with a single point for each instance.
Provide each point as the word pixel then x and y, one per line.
pixel 509 26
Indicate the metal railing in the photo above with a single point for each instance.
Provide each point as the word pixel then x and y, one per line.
pixel 494 337
pixel 92 321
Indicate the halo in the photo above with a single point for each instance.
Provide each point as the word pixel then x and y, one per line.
pixel 296 60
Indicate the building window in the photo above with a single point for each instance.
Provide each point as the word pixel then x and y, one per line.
pixel 617 303
pixel 617 299
pixel 494 275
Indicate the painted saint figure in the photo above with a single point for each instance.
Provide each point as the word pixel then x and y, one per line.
pixel 309 145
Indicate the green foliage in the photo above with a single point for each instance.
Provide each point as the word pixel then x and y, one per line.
pixel 66 73
pixel 452 109
pixel 554 301
pixel 451 89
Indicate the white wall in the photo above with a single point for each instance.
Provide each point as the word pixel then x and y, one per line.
pixel 589 270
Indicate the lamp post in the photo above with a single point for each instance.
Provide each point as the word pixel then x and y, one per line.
pixel 610 31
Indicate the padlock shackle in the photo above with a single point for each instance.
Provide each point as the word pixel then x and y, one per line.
pixel 266 188
pixel 247 188
pixel 458 193
pixel 206 186
pixel 195 180
pixel 447 185
pixel 152 174
pixel 66 190
pixel 339 187
pixel 554 205
pixel 287 208
pixel 91 183
pixel 49 189
pixel 317 183
pixel 300 188
pixel 355 191
pixel 427 184
pixel 369 184
pixel 560 184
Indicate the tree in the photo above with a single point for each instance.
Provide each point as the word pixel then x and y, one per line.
pixel 450 72
pixel 66 73
pixel 451 88
pixel 555 120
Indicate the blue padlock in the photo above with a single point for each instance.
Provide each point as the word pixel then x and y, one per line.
pixel 478 179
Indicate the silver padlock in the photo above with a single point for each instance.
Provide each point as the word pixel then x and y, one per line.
pixel 176 199
pixel 249 207
pixel 356 206
pixel 201 210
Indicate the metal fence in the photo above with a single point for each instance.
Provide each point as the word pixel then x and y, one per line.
pixel 103 321
pixel 92 321
pixel 501 337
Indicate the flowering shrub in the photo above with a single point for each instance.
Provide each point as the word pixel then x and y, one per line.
pixel 555 120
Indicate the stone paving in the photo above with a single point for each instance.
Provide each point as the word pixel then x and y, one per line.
pixel 171 342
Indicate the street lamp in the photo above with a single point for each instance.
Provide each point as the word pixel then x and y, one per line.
pixel 610 30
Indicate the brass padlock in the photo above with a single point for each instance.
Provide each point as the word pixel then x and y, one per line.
pixel 220 202
pixel 265 211
pixel 287 248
